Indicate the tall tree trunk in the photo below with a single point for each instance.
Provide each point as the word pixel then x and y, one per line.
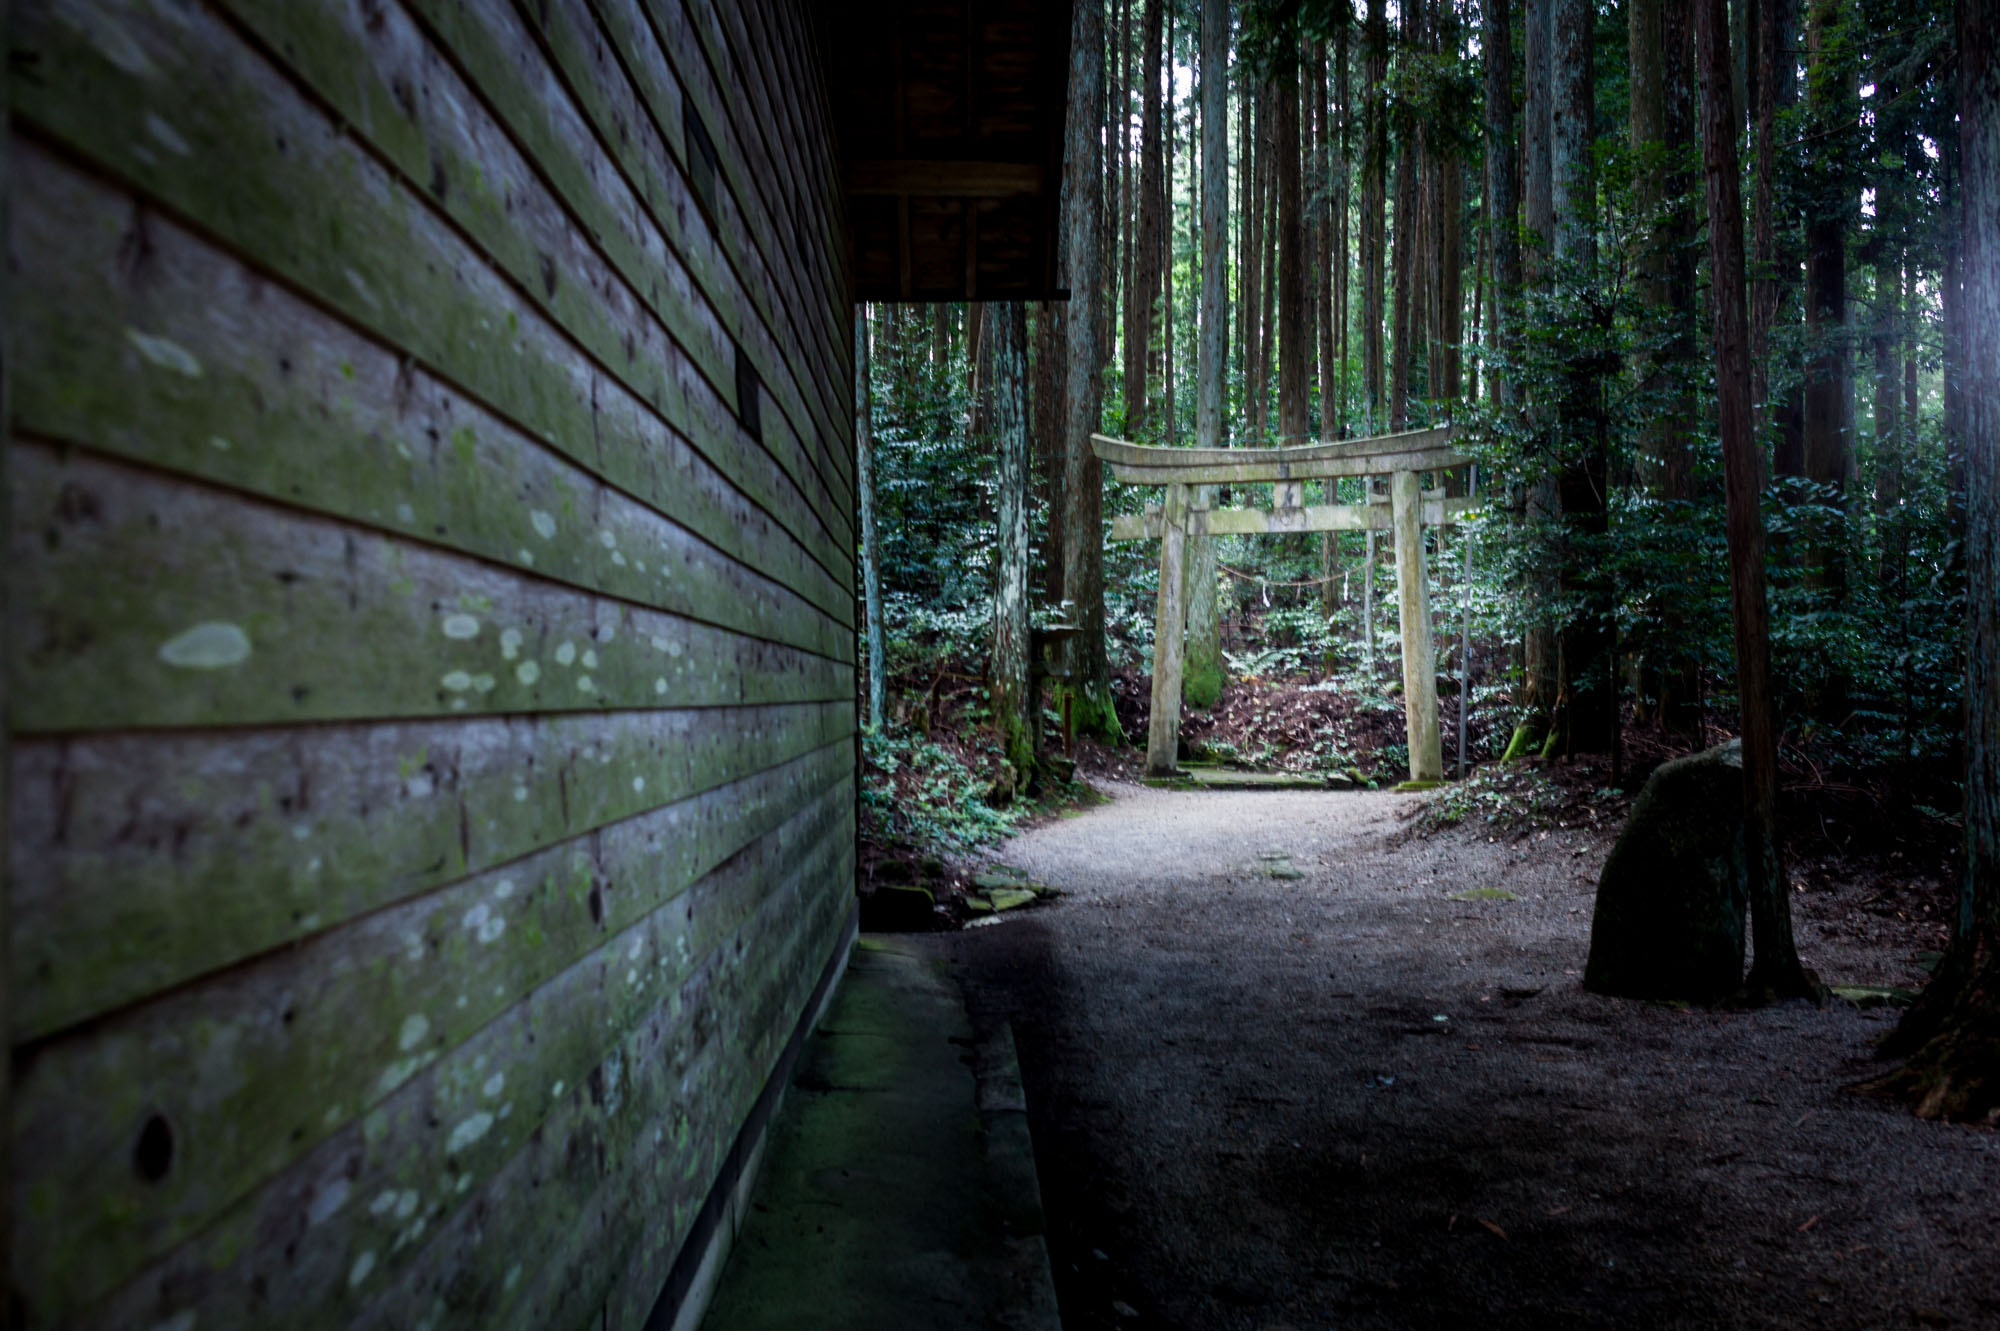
pixel 1322 188
pixel 1167 249
pixel 1251 267
pixel 1083 485
pixel 1202 671
pixel 1451 281
pixel 1777 264
pixel 1121 181
pixel 1445 382
pixel 1007 672
pixel 1326 167
pixel 1953 1032
pixel 1829 446
pixel 1267 300
pixel 871 550
pixel 1149 240
pixel 1344 110
pixel 1051 420
pixel 1374 223
pixel 1407 233
pixel 1503 206
pixel 1776 968
pixel 1293 283
pixel 1661 82
pixel 1588 712
pixel 1542 504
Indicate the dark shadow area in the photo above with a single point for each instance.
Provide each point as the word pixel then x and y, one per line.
pixel 1248 1113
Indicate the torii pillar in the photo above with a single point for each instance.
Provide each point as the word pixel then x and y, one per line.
pixel 1413 605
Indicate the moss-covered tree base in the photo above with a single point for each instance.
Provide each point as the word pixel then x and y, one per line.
pixel 1091 713
pixel 1527 736
pixel 1201 681
pixel 1952 1037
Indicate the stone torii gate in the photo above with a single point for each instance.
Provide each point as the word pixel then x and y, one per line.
pixel 1400 457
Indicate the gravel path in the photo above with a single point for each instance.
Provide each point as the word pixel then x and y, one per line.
pixel 1279 1078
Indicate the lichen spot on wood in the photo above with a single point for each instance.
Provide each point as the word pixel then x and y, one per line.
pixel 589 659
pixel 458 681
pixel 565 652
pixel 215 645
pixel 363 1265
pixel 166 135
pixel 484 923
pixel 494 1085
pixel 461 626
pixel 468 1132
pixel 510 644
pixel 415 1027
pixel 326 1202
pixel 165 353
pixel 544 524
pixel 527 672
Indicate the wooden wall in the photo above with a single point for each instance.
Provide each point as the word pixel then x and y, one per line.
pixel 430 625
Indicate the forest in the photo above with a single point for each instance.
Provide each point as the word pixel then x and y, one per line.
pixel 1700 283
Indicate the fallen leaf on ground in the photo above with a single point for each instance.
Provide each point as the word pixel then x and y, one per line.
pixel 1493 1228
pixel 1560 1209
pixel 1808 1224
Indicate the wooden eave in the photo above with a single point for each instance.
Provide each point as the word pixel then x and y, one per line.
pixel 949 116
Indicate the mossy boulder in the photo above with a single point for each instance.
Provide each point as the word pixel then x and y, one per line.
pixel 1672 898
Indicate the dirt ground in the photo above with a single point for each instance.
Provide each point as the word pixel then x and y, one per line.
pixel 1279 1078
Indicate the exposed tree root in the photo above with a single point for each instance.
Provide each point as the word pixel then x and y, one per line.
pixel 1952 1036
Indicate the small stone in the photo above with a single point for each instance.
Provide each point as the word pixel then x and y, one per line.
pixel 1874 995
pixel 1123 1309
pixel 1286 872
pixel 978 904
pixel 1007 898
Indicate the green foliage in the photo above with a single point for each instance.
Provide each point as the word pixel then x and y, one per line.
pixel 922 795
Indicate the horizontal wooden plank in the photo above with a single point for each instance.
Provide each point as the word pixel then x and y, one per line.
pixel 140 599
pixel 747 293
pixel 1120 452
pixel 131 851
pixel 1437 511
pixel 690 40
pixel 605 1039
pixel 599 273
pixel 611 61
pixel 369 247
pixel 953 179
pixel 656 1164
pixel 297 406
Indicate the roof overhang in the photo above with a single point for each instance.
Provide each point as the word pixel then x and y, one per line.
pixel 949 116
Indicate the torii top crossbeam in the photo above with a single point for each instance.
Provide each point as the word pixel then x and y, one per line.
pixel 1401 457
pixel 1379 455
